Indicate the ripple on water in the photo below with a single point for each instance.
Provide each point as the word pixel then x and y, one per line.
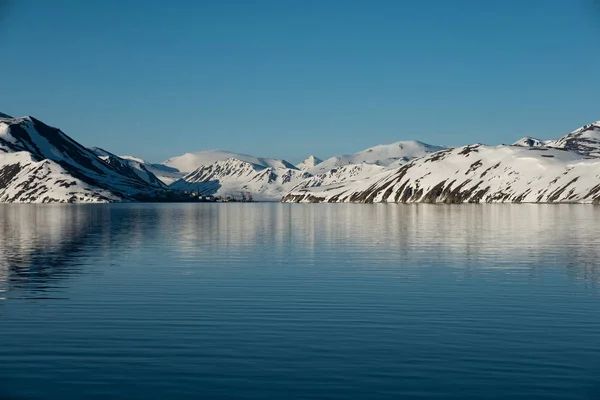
pixel 299 301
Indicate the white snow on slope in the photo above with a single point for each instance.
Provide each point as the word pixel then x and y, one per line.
pixel 232 176
pixel 585 140
pixel 383 155
pixel 25 180
pixel 132 158
pixel 346 173
pixel 163 172
pixel 474 173
pixel 192 161
pixel 129 167
pixel 68 171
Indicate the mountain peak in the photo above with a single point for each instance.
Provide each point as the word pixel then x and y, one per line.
pixel 2 115
pixel 310 162
pixel 528 141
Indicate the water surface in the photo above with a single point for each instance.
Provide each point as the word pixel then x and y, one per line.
pixel 282 301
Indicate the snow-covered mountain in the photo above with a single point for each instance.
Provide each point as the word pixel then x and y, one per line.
pixel 39 163
pixel 346 173
pixel 309 163
pixel 232 176
pixel 156 174
pixel 129 167
pixel 530 142
pixel 475 173
pixel 383 155
pixel 584 140
pixel 192 161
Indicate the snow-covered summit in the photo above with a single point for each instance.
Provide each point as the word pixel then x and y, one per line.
pixel 310 162
pixel 382 155
pixel 530 142
pixel 584 140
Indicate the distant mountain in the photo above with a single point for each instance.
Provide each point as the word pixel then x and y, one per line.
pixel 531 170
pixel 530 142
pixel 382 155
pixel 191 161
pixel 232 176
pixel 584 140
pixel 474 174
pixel 309 163
pixel 39 163
pixel 346 173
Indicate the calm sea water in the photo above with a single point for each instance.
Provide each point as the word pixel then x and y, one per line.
pixel 275 301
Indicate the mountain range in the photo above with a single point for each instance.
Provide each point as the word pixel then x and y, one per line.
pixel 40 163
pixel 530 170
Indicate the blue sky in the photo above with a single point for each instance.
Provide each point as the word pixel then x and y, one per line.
pixel 285 78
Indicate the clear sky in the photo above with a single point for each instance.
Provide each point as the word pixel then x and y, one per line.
pixel 285 78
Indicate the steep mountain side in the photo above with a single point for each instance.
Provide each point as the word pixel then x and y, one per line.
pixel 39 162
pixel 191 161
pixel 382 155
pixel 25 180
pixel 232 176
pixel 166 174
pixel 475 173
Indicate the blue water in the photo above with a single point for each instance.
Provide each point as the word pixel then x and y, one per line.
pixel 275 301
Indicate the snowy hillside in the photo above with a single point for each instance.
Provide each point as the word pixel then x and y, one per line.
pixel 347 173
pixel 39 163
pixel 585 140
pixel 232 176
pixel 128 167
pixel 310 162
pixel 165 174
pixel 191 161
pixel 475 173
pixel 383 155
pixel 26 180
